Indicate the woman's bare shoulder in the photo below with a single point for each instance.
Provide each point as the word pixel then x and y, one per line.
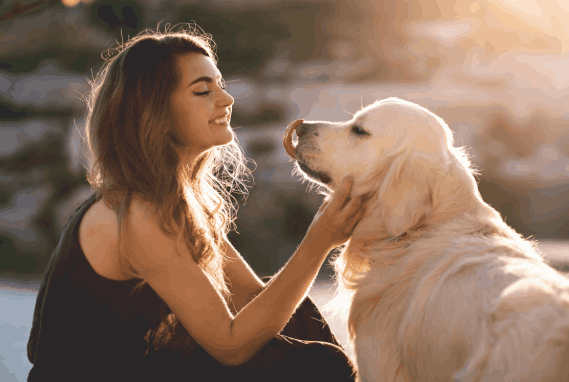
pixel 98 238
pixel 99 234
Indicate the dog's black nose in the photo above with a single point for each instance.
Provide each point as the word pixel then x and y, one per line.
pixel 303 128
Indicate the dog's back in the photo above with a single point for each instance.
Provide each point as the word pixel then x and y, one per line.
pixel 474 308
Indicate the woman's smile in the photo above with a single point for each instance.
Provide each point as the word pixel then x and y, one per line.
pixel 224 120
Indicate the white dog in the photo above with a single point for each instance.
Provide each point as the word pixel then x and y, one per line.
pixel 436 286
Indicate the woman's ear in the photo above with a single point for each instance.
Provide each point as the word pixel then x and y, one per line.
pixel 405 195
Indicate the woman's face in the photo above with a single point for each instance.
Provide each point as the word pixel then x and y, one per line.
pixel 201 108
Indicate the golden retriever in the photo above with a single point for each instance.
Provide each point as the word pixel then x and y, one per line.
pixel 434 284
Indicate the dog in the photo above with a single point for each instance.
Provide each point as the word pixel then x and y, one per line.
pixel 433 284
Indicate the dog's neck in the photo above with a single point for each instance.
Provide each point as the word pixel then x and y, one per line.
pixel 464 217
pixel 454 198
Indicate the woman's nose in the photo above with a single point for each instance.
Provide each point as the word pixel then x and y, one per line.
pixel 226 98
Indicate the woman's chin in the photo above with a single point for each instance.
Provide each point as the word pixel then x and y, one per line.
pixel 229 136
pixel 221 141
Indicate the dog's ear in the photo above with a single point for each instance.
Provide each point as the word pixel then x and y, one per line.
pixel 406 192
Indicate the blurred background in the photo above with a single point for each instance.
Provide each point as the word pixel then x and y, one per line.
pixel 495 70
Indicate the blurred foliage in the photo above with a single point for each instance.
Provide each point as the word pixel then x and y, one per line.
pixel 268 243
pixel 248 36
pixel 505 203
pixel 113 15
pixel 265 113
pixel 15 260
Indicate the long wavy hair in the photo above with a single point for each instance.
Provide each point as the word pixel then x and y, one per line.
pixel 134 148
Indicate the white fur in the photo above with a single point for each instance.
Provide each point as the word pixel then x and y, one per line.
pixel 435 286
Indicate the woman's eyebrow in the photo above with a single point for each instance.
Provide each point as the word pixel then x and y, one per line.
pixel 207 79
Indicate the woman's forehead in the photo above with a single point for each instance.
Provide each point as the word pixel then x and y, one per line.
pixel 196 65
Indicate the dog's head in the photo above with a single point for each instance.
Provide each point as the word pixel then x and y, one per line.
pixel 397 152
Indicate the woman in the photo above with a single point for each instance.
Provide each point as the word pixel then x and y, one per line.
pixel 144 284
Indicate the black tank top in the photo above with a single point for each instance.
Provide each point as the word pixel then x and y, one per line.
pixel 87 327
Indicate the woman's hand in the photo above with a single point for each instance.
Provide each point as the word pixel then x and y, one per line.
pixel 336 218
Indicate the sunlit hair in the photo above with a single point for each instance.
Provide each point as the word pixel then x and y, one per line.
pixel 132 143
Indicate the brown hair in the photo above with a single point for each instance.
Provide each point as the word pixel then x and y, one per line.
pixel 132 148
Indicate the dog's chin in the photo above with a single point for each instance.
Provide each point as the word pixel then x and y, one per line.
pixel 318 176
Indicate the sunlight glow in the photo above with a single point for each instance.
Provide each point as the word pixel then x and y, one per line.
pixel 548 16
pixel 72 3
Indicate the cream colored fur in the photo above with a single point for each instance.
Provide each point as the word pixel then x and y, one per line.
pixel 434 285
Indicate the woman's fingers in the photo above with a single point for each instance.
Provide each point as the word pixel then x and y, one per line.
pixel 350 210
pixel 353 213
pixel 341 197
pixel 337 216
pixel 354 206
pixel 358 215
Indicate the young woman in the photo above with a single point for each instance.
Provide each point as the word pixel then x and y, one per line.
pixel 143 284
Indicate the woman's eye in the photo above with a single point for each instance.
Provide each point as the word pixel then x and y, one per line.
pixel 203 93
pixel 359 131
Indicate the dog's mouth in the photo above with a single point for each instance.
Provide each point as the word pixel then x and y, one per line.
pixel 317 175
pixel 291 151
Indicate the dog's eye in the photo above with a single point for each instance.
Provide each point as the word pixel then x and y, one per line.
pixel 359 131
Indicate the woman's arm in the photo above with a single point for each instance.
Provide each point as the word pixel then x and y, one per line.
pixel 244 284
pixel 187 290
